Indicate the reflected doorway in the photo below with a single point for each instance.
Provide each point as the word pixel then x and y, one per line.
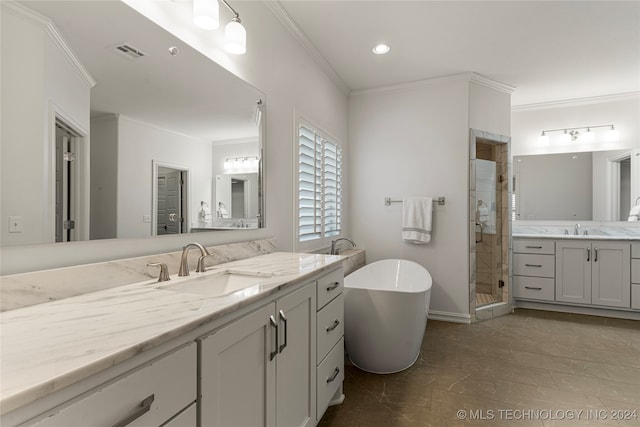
pixel 170 199
pixel 67 200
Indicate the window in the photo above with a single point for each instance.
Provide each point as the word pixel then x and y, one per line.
pixel 319 187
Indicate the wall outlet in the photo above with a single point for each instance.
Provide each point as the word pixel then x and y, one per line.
pixel 15 224
pixel 146 218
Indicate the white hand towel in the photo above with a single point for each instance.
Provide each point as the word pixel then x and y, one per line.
pixel 416 219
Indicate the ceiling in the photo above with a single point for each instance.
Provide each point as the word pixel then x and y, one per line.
pixel 548 50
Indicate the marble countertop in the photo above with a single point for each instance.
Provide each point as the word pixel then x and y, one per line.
pixel 578 237
pixel 49 346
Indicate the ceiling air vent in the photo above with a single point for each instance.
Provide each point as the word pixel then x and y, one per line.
pixel 130 51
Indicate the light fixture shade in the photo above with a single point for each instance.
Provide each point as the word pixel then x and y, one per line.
pixel 588 136
pixel 235 37
pixel 565 138
pixel 613 134
pixel 206 14
pixel 543 139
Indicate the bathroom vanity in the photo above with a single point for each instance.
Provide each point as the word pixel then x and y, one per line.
pixel 269 352
pixel 589 274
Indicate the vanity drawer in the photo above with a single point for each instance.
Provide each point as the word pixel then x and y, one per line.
pixel 635 296
pixel 635 250
pixel 538 288
pixel 635 271
pixel 165 386
pixel 534 265
pixel 330 326
pixel 529 246
pixel 329 286
pixel 330 375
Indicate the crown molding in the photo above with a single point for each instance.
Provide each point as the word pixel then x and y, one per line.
pixel 492 84
pixel 285 19
pixel 54 35
pixel 577 102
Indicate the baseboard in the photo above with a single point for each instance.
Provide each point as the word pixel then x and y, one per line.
pixel 619 314
pixel 446 316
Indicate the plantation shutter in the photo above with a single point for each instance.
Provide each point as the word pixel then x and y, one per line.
pixel 332 191
pixel 309 185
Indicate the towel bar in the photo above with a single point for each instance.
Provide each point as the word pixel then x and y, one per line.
pixel 388 201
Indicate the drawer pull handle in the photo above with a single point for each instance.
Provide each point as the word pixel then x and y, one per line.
pixel 533 247
pixel 533 288
pixel 274 325
pixel 588 254
pixel 332 327
pixel 333 286
pixel 143 408
pixel 284 320
pixel 595 255
pixel 533 265
pixel 334 376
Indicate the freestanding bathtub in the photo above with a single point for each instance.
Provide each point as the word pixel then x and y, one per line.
pixel 385 314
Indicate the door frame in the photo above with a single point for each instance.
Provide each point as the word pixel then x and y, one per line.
pixel 185 194
pixel 81 179
pixel 614 182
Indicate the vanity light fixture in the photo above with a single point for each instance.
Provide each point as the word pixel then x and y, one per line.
pixel 571 134
pixel 206 15
pixel 241 164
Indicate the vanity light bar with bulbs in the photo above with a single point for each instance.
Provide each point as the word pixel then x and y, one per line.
pixel 571 134
pixel 241 163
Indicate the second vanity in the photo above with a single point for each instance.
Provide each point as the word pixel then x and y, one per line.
pixel 589 274
pixel 169 354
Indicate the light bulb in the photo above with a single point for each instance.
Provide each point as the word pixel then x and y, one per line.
pixel 206 14
pixel 235 37
pixel 543 139
pixel 588 136
pixel 613 134
pixel 237 164
pixel 381 49
pixel 227 164
pixel 565 138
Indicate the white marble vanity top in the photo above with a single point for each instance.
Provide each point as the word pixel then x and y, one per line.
pixel 49 346
pixel 578 237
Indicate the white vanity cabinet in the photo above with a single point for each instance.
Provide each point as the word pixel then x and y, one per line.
pixel 593 272
pixel 330 340
pixel 635 276
pixel 162 392
pixel 256 371
pixel 534 269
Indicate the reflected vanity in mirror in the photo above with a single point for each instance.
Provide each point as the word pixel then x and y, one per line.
pixel 584 186
pixel 114 128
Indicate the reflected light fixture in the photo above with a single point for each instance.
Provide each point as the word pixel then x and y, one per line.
pixel 241 164
pixel 572 134
pixel 206 15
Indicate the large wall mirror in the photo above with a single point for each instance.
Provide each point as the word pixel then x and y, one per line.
pixel 114 128
pixel 584 186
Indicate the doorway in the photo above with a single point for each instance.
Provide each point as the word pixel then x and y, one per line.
pixel 490 222
pixel 67 174
pixel 170 199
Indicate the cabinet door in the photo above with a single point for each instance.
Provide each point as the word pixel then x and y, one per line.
pixel 237 374
pixel 573 271
pixel 295 389
pixel 611 272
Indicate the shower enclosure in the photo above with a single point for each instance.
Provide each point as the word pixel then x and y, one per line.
pixel 489 222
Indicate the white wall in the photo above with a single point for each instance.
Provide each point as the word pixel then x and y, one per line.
pixel 104 177
pixel 414 140
pixel 38 79
pixel 139 145
pixel 276 64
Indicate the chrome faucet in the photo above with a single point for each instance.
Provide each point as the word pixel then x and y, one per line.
pixel 333 244
pixel 576 228
pixel 184 263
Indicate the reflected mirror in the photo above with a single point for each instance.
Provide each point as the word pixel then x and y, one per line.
pixel 586 186
pixel 112 127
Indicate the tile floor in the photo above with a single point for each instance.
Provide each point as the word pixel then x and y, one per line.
pixel 529 368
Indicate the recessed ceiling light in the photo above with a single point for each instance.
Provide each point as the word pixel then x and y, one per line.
pixel 381 49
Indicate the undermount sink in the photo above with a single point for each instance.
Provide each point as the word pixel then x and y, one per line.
pixel 218 285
